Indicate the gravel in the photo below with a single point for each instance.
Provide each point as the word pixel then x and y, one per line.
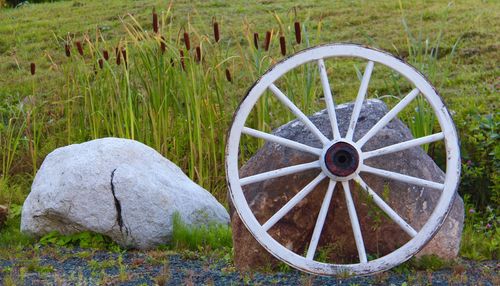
pixel 74 266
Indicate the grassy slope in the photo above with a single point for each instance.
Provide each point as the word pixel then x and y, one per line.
pixel 469 82
pixel 34 33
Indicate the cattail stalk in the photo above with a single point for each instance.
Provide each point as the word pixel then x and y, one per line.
pixel 32 68
pixel 216 32
pixel 228 76
pixel 163 45
pixel 186 41
pixel 67 49
pixel 101 63
pixel 118 56
pixel 298 33
pixel 283 45
pixel 105 54
pixel 267 41
pixel 182 59
pixel 124 54
pixel 198 54
pixel 79 46
pixel 155 22
pixel 256 40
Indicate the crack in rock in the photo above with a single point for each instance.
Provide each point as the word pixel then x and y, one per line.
pixel 118 206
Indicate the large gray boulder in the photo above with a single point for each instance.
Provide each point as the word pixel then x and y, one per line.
pixel 381 235
pixel 117 187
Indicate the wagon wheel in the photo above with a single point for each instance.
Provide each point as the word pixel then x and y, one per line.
pixel 333 155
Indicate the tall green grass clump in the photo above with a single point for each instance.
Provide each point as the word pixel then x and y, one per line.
pixel 174 91
pixel 212 236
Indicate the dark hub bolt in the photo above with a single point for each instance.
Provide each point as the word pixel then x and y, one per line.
pixel 341 159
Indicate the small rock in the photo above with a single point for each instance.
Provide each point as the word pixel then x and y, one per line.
pixel 381 235
pixel 117 187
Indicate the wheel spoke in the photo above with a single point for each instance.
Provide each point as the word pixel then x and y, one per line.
pixel 386 208
pixel 404 145
pixel 293 201
pixel 388 117
pixel 320 221
pixel 281 140
pixel 402 178
pixel 359 100
pixel 279 173
pixel 330 105
pixel 356 229
pixel 300 115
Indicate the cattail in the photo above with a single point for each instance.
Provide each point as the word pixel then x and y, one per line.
pixel 228 76
pixel 172 62
pixel 163 45
pixel 79 47
pixel 186 41
pixel 32 68
pixel 298 36
pixel 198 54
pixel 256 40
pixel 105 54
pixel 283 45
pixel 118 56
pixel 216 32
pixel 267 41
pixel 67 49
pixel 155 22
pixel 124 54
pixel 182 59
pixel 101 63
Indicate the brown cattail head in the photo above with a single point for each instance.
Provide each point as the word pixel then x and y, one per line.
pixel 155 22
pixel 267 41
pixel 79 46
pixel 105 54
pixel 101 63
pixel 228 76
pixel 67 49
pixel 124 54
pixel 186 41
pixel 283 45
pixel 298 34
pixel 118 56
pixel 32 68
pixel 181 52
pixel 163 45
pixel 216 32
pixel 198 54
pixel 256 40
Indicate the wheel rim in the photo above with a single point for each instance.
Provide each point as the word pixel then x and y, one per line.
pixel 344 174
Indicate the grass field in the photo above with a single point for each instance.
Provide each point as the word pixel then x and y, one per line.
pixel 35 34
pixel 454 43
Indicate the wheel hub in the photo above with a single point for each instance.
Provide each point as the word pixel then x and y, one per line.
pixel 341 160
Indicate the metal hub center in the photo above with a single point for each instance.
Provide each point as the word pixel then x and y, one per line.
pixel 341 159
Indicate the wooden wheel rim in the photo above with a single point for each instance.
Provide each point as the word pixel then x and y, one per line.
pixel 450 184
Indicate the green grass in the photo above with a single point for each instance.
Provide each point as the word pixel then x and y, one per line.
pixel 454 44
pixel 212 236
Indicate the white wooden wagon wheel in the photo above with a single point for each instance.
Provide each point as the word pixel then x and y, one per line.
pixel 332 157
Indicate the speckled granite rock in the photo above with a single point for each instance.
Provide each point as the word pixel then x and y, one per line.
pixel 380 234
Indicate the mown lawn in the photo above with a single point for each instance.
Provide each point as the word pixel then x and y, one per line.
pixel 462 36
pixel 35 34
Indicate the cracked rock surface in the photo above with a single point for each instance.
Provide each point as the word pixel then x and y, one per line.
pixel 117 187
